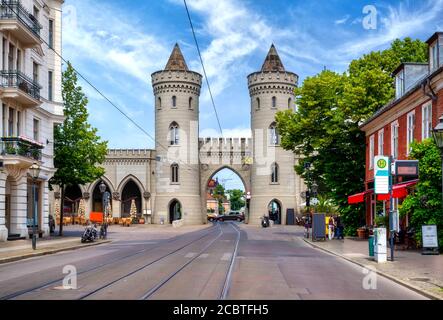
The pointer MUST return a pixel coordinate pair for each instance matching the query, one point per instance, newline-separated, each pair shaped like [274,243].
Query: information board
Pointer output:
[429,236]
[382,177]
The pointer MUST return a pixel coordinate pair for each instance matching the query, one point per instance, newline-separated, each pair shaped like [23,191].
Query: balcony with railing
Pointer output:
[18,86]
[21,23]
[20,151]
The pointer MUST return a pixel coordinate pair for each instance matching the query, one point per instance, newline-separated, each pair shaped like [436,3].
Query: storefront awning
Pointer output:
[358,197]
[398,191]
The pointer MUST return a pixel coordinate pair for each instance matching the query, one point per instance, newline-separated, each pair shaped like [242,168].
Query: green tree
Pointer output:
[424,205]
[236,197]
[78,150]
[219,195]
[325,129]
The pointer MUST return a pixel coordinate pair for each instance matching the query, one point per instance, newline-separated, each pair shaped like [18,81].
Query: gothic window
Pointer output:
[274,173]
[174,101]
[174,133]
[174,173]
[273,134]
[274,102]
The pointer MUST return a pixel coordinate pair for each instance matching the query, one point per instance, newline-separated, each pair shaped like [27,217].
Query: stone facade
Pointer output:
[31,103]
[172,179]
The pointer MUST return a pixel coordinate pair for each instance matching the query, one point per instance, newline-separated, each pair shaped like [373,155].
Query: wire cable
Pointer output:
[204,70]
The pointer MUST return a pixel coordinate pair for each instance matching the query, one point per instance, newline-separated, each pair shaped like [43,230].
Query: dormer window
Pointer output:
[434,56]
[400,84]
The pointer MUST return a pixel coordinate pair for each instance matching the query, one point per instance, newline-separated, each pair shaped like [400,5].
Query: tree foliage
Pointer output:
[325,128]
[78,150]
[236,197]
[424,205]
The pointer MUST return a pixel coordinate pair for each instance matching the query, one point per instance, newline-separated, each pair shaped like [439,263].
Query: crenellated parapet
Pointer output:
[176,81]
[272,82]
[225,150]
[129,156]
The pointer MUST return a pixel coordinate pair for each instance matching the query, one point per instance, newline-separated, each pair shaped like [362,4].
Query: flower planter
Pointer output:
[362,233]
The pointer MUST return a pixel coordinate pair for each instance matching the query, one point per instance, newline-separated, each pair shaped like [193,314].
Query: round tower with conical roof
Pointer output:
[275,187]
[177,192]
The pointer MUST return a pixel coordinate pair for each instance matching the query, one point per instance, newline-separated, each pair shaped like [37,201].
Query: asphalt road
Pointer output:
[223,261]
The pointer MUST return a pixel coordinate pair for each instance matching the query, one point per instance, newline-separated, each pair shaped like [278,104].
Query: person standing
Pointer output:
[331,227]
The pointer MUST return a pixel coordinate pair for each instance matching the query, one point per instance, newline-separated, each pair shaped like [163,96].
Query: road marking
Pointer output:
[203,256]
[190,255]
[227,256]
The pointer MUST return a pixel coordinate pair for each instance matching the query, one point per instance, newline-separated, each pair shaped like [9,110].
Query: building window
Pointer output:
[159,103]
[11,122]
[35,72]
[434,56]
[11,57]
[36,128]
[289,103]
[50,85]
[51,34]
[274,173]
[394,140]
[381,142]
[274,102]
[190,103]
[19,124]
[4,110]
[400,84]
[371,152]
[19,60]
[174,173]
[258,103]
[273,134]
[174,101]
[426,125]
[174,133]
[411,130]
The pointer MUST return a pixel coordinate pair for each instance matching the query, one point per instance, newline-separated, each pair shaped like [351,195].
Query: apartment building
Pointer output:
[31,104]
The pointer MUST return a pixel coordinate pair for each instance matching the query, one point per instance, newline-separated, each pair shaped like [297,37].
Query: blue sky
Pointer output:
[118,44]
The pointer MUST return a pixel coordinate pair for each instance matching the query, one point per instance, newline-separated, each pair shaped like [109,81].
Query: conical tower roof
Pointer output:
[176,61]
[272,61]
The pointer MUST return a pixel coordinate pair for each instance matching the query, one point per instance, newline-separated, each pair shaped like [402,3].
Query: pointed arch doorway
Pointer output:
[274,211]
[175,211]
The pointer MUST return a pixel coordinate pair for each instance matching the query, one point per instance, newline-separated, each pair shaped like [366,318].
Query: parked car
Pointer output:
[212,217]
[232,215]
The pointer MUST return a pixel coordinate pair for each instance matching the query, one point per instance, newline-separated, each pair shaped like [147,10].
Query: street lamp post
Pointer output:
[35,173]
[105,199]
[437,134]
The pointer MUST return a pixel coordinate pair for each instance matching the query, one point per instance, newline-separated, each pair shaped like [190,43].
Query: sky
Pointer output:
[118,44]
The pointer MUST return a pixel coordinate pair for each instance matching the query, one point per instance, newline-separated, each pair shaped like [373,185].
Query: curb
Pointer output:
[383,274]
[43,253]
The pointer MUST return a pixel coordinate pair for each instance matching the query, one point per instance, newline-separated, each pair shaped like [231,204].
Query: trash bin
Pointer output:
[371,246]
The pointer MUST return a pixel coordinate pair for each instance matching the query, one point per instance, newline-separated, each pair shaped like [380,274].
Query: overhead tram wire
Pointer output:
[97,90]
[203,66]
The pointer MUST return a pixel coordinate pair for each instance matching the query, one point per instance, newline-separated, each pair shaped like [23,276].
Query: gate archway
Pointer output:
[130,192]
[175,210]
[274,211]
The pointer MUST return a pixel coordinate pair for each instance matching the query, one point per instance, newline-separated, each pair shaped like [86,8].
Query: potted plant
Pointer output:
[363,232]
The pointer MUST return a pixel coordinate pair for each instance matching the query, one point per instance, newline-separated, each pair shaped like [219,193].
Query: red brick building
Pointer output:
[411,116]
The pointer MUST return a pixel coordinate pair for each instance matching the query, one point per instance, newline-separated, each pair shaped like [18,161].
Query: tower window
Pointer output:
[289,103]
[258,103]
[174,173]
[174,101]
[274,173]
[159,103]
[174,133]
[190,103]
[273,134]
[274,102]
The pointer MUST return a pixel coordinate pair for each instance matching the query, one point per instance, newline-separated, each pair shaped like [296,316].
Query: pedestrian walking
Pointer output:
[340,228]
[331,227]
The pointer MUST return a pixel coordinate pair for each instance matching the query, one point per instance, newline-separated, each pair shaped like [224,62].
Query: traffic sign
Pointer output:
[382,175]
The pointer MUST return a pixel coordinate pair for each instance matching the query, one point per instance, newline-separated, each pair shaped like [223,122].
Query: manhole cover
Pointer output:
[420,279]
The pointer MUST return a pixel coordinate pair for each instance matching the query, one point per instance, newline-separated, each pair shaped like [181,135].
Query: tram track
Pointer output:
[107,264]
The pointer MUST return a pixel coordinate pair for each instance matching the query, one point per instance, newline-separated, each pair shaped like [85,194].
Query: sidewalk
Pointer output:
[22,249]
[422,273]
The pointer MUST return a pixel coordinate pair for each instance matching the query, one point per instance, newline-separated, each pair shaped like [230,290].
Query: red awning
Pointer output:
[358,197]
[398,191]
